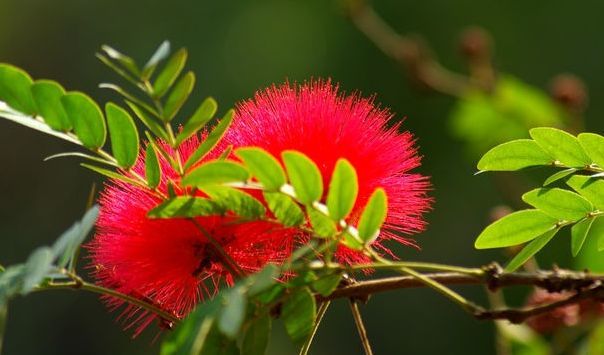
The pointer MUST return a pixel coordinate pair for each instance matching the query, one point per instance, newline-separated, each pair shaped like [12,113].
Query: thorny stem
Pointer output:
[320,313]
[227,261]
[358,320]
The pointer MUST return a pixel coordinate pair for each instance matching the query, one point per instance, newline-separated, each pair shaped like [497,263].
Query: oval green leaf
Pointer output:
[373,215]
[216,172]
[579,233]
[298,314]
[343,190]
[47,96]
[514,155]
[87,119]
[263,167]
[322,225]
[15,90]
[558,176]
[516,228]
[178,96]
[590,188]
[561,145]
[236,201]
[211,140]
[530,249]
[200,118]
[186,207]
[559,203]
[167,77]
[148,121]
[284,208]
[124,135]
[152,167]
[304,176]
[594,147]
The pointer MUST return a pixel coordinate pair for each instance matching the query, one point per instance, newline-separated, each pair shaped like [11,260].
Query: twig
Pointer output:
[320,313]
[358,320]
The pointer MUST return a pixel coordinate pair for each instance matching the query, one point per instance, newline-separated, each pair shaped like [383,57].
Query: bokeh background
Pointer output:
[237,47]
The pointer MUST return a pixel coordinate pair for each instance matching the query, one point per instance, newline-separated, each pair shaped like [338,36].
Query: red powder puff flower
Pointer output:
[317,121]
[168,262]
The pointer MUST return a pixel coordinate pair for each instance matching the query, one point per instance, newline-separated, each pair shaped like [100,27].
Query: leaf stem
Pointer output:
[320,313]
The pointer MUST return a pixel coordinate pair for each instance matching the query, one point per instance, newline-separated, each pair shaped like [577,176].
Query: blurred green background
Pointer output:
[237,47]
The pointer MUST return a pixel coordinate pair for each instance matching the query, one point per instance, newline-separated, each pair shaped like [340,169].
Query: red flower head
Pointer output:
[315,120]
[168,262]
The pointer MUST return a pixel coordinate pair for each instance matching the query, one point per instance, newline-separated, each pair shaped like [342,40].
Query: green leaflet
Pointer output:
[256,336]
[590,188]
[236,201]
[47,96]
[124,135]
[563,146]
[514,155]
[579,233]
[15,90]
[594,147]
[530,249]
[343,190]
[559,203]
[211,140]
[304,176]
[298,313]
[263,167]
[284,208]
[152,167]
[200,118]
[516,228]
[216,172]
[167,77]
[87,119]
[373,216]
[179,95]
[186,206]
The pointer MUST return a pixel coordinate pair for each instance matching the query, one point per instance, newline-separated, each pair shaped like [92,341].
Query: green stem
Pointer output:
[320,313]
[358,320]
[408,264]
[3,317]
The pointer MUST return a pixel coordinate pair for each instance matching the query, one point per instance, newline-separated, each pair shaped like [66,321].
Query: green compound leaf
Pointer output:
[304,176]
[232,314]
[559,176]
[161,53]
[559,203]
[327,284]
[322,225]
[152,167]
[15,90]
[47,96]
[298,314]
[124,60]
[343,190]
[66,247]
[148,121]
[590,188]
[185,207]
[263,167]
[87,119]
[236,201]
[530,249]
[38,265]
[516,228]
[579,233]
[563,146]
[284,208]
[178,96]
[594,147]
[200,118]
[216,172]
[211,140]
[514,155]
[373,216]
[256,336]
[124,135]
[170,73]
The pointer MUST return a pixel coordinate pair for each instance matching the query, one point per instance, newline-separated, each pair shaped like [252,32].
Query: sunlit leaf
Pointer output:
[87,119]
[516,228]
[304,176]
[322,225]
[284,208]
[123,59]
[579,233]
[216,172]
[178,96]
[186,206]
[263,167]
[514,155]
[236,201]
[200,118]
[47,96]
[32,123]
[15,90]
[594,147]
[160,54]
[170,73]
[152,167]
[149,121]
[559,203]
[373,215]
[343,190]
[124,135]
[558,176]
[563,146]
[211,140]
[591,189]
[531,249]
